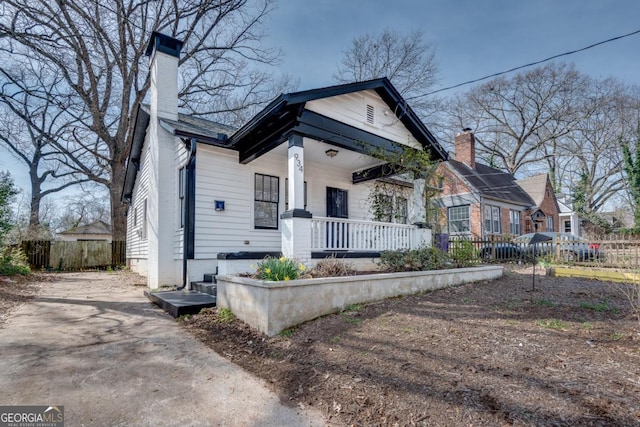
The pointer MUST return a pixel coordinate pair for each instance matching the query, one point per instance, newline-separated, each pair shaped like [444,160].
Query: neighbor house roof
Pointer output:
[492,183]
[535,186]
[98,227]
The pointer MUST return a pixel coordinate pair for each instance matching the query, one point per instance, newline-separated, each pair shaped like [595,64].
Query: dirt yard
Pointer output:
[15,291]
[490,353]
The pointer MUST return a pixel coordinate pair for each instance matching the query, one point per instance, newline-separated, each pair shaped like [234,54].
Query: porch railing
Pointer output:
[348,234]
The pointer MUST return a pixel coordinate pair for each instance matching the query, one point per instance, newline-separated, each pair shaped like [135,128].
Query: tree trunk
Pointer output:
[36,198]
[118,209]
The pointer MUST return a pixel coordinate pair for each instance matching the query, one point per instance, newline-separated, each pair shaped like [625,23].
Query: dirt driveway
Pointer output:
[93,343]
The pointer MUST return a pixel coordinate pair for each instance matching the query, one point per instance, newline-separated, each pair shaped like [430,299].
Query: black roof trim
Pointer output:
[133,162]
[293,104]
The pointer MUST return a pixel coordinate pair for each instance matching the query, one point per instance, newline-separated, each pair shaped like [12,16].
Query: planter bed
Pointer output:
[272,307]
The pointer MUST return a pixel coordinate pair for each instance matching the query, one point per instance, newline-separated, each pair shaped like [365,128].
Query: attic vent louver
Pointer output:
[370,114]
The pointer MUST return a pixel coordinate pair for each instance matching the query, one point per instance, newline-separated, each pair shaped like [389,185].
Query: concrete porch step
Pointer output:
[205,287]
[179,303]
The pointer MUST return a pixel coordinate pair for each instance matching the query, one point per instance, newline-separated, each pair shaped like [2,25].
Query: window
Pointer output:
[491,219]
[266,198]
[550,223]
[514,223]
[135,216]
[459,219]
[400,212]
[144,219]
[567,226]
[181,183]
[388,208]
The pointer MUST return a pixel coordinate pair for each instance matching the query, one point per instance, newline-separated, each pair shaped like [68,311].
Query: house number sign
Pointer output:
[298,162]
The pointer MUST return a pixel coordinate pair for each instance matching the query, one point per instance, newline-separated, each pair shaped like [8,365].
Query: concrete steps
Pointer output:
[178,303]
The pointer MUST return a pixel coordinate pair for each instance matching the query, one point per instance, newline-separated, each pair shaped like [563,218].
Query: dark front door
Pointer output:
[337,207]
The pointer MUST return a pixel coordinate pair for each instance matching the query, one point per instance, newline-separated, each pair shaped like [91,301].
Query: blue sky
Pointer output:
[473,38]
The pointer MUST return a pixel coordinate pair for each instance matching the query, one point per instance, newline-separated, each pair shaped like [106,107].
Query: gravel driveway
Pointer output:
[93,343]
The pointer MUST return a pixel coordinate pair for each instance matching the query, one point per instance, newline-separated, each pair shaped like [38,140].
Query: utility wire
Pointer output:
[529,65]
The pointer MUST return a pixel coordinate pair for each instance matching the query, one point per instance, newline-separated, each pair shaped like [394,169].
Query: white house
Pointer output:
[296,180]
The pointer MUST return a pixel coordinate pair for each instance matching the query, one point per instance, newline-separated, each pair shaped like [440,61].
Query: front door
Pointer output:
[337,233]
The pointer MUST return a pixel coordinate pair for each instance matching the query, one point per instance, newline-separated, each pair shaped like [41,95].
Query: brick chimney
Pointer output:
[466,148]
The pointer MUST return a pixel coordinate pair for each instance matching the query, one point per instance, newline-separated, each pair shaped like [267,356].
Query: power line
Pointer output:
[530,64]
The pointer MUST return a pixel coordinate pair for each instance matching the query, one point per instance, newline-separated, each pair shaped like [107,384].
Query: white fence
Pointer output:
[347,234]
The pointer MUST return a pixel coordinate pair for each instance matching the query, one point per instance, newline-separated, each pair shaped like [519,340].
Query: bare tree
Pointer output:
[98,46]
[519,121]
[30,123]
[406,60]
[592,151]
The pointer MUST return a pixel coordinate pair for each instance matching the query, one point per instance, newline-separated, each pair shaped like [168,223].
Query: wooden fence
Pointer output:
[606,251]
[44,254]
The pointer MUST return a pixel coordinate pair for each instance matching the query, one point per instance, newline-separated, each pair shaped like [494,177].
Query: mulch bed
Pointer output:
[488,353]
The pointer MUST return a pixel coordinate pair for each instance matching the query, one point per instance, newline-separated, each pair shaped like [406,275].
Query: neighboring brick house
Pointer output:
[541,191]
[480,201]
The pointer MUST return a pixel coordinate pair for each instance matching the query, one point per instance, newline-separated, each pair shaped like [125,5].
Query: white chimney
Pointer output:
[164,53]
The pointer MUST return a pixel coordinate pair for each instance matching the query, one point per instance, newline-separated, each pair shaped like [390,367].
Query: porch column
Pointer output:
[296,222]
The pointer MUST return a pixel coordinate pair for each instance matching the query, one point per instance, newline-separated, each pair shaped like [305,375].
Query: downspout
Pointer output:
[189,177]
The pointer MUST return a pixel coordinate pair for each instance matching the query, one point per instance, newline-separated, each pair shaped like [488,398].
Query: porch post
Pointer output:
[296,222]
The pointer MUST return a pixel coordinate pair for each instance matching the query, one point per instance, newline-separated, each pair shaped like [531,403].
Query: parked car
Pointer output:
[505,251]
[571,248]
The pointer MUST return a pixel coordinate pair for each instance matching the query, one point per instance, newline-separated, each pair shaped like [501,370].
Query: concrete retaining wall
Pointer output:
[272,307]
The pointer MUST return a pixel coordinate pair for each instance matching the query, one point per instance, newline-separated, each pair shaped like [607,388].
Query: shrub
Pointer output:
[332,267]
[463,253]
[421,259]
[278,269]
[13,261]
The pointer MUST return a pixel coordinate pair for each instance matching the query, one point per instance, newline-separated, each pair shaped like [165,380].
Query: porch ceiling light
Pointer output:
[331,152]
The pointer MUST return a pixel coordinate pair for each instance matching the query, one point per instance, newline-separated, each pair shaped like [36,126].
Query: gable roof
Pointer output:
[492,183]
[98,227]
[535,186]
[267,129]
[271,126]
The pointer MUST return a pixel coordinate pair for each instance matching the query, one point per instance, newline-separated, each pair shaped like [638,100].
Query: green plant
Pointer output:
[552,324]
[420,259]
[587,326]
[600,307]
[277,269]
[225,315]
[617,336]
[332,267]
[287,333]
[352,320]
[462,253]
[545,303]
[353,308]
[13,261]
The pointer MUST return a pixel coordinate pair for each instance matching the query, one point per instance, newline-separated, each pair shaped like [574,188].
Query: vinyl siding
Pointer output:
[352,110]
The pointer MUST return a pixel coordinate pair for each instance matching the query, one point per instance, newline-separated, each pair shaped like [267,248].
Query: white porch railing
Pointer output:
[348,234]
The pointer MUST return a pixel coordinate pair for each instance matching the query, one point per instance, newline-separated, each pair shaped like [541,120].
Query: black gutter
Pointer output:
[189,217]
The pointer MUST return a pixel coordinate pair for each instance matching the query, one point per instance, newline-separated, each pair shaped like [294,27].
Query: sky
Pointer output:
[473,38]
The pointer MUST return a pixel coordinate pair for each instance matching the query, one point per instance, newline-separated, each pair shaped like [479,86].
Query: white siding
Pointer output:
[352,110]
[137,243]
[219,176]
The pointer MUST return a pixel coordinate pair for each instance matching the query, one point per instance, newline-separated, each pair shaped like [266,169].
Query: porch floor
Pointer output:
[178,303]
